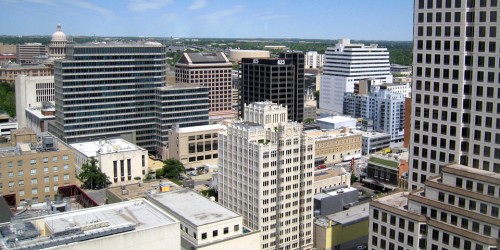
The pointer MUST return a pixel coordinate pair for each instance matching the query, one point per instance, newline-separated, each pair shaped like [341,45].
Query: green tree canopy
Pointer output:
[7,99]
[172,169]
[92,176]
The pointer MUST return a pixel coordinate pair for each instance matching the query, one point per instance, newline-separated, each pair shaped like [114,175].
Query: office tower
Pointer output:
[266,175]
[455,103]
[31,92]
[384,106]
[212,70]
[299,87]
[57,46]
[457,210]
[274,80]
[117,90]
[26,52]
[313,60]
[347,64]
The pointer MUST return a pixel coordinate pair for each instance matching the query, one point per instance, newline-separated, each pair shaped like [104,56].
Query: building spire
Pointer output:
[58,26]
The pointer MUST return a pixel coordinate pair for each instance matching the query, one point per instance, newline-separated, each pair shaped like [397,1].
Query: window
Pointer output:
[20,173]
[45,160]
[34,191]
[21,192]
[203,235]
[236,228]
[56,178]
[215,233]
[66,177]
[33,171]
[32,162]
[65,158]
[54,159]
[55,168]
[45,169]
[226,230]
[34,181]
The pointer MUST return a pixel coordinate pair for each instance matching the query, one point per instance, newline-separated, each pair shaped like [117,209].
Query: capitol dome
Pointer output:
[59,36]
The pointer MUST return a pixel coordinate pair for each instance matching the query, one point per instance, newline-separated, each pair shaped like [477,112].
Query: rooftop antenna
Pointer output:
[95,40]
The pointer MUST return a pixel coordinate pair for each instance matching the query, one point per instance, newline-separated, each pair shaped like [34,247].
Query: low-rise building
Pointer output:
[331,178]
[374,141]
[129,225]
[38,118]
[7,125]
[334,200]
[123,162]
[194,146]
[204,224]
[343,230]
[387,171]
[397,69]
[33,167]
[9,72]
[336,122]
[333,146]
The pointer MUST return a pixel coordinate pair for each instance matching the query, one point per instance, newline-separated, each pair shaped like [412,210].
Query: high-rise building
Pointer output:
[455,105]
[457,210]
[212,70]
[275,80]
[118,90]
[26,52]
[313,60]
[347,64]
[266,167]
[384,106]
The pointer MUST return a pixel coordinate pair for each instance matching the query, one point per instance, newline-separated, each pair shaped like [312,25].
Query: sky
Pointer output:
[305,19]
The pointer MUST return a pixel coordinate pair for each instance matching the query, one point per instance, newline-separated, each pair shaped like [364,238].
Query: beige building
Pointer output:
[32,168]
[194,146]
[212,70]
[236,55]
[334,146]
[8,72]
[26,52]
[329,178]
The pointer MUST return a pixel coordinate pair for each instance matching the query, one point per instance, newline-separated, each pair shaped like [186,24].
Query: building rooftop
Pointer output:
[391,160]
[397,200]
[74,226]
[319,135]
[200,128]
[372,134]
[202,58]
[336,119]
[108,146]
[192,207]
[472,173]
[329,173]
[170,86]
[352,215]
[38,113]
[338,191]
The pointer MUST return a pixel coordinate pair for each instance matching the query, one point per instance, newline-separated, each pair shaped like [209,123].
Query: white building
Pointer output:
[403,70]
[374,141]
[345,65]
[457,210]
[313,60]
[129,225]
[384,105]
[31,92]
[38,118]
[57,46]
[122,161]
[206,225]
[455,104]
[266,169]
[336,122]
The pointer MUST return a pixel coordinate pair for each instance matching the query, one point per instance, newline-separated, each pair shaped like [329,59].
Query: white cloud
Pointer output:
[198,4]
[215,16]
[90,6]
[144,5]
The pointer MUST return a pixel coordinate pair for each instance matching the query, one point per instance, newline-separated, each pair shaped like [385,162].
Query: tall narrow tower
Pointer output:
[455,106]
[266,174]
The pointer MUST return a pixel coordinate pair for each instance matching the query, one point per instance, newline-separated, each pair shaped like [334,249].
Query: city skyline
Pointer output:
[210,19]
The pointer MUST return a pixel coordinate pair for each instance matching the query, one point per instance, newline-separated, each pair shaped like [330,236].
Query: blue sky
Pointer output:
[307,19]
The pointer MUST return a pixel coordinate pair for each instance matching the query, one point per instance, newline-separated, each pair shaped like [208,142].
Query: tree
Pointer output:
[92,176]
[173,168]
[353,178]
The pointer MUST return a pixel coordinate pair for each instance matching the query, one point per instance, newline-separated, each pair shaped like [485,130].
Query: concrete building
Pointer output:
[134,104]
[266,169]
[334,199]
[343,230]
[384,105]
[9,71]
[313,60]
[387,171]
[397,69]
[31,92]
[347,64]
[309,106]
[26,52]
[407,123]
[205,224]
[135,224]
[57,46]
[336,122]
[457,210]
[212,70]
[330,178]
[275,80]
[194,146]
[454,105]
[122,161]
[333,146]
[235,55]
[38,118]
[373,142]
[32,168]
[7,125]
